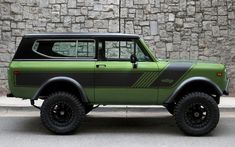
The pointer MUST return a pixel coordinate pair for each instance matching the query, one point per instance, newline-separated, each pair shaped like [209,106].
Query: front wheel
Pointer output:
[62,113]
[197,114]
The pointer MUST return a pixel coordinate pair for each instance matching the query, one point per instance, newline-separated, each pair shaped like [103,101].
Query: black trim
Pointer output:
[25,51]
[10,95]
[33,104]
[171,74]
[72,35]
[226,92]
[188,81]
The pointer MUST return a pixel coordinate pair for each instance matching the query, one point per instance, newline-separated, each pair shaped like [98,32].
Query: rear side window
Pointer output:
[65,48]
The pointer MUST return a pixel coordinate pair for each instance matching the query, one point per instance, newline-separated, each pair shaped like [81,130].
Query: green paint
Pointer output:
[132,96]
[140,92]
[50,67]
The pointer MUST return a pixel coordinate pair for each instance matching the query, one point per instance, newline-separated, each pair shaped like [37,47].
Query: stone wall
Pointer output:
[177,29]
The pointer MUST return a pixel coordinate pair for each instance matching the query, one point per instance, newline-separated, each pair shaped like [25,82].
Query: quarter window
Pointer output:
[65,48]
[140,55]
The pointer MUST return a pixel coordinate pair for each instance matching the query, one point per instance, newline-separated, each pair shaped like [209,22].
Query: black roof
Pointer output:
[80,35]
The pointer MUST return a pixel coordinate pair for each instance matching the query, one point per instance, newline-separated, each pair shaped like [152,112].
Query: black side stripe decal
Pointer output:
[171,74]
[168,77]
[37,79]
[85,79]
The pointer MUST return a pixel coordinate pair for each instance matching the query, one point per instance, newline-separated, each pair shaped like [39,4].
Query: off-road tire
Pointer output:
[197,114]
[56,121]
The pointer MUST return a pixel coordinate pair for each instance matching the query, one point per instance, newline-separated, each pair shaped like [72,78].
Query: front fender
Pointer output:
[191,80]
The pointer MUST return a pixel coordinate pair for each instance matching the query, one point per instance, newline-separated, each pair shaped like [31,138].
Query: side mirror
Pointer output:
[133,59]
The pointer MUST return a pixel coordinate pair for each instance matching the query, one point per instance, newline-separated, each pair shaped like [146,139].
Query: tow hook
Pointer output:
[33,104]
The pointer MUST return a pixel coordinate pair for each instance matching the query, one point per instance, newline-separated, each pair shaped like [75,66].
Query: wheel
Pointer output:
[62,113]
[88,108]
[197,114]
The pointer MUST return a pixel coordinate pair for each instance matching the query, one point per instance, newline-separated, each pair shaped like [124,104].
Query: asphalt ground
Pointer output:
[20,126]
[123,127]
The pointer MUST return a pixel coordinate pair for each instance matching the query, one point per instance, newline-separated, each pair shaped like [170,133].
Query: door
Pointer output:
[117,80]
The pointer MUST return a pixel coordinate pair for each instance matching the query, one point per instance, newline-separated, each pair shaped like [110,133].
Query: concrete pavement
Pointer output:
[19,104]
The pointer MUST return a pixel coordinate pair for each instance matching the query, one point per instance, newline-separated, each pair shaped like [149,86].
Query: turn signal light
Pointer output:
[219,74]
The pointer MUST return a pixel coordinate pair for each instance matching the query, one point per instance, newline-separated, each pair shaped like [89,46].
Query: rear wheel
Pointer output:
[197,114]
[62,113]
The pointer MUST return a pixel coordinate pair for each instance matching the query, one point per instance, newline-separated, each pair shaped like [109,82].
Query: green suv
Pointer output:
[72,72]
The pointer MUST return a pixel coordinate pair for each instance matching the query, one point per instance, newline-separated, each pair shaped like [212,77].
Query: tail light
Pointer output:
[16,72]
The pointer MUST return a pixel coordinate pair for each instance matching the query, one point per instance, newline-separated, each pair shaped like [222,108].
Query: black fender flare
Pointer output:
[190,80]
[59,79]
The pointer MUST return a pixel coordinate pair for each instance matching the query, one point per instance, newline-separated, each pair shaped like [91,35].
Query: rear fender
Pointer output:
[62,79]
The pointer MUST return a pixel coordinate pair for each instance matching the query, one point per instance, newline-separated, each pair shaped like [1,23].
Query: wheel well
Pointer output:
[198,86]
[65,86]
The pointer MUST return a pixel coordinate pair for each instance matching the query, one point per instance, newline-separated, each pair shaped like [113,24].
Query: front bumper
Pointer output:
[226,91]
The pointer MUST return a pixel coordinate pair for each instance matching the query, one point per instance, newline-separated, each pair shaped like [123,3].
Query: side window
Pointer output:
[119,50]
[65,48]
[122,50]
[85,49]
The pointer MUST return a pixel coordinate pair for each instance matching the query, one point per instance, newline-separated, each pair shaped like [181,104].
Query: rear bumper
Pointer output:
[226,91]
